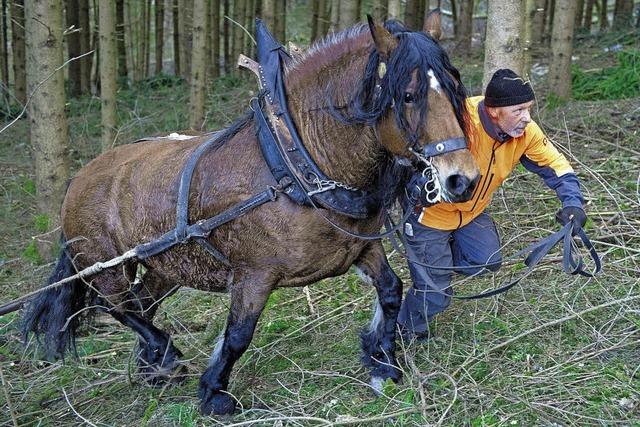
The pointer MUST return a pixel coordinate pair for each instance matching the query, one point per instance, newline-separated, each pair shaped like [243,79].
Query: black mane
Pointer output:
[416,51]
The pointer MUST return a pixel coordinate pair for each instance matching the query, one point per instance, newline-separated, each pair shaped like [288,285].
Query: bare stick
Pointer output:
[469,362]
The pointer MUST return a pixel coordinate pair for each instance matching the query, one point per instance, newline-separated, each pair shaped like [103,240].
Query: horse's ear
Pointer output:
[432,24]
[383,39]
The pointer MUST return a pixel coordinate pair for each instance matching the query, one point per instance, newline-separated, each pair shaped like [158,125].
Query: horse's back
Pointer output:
[123,195]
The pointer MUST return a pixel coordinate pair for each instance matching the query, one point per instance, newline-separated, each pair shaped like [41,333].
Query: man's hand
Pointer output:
[572,214]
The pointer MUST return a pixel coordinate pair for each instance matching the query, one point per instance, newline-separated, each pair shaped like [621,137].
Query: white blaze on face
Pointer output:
[433,81]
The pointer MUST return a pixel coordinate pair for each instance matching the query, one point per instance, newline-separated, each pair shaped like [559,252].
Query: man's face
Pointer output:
[512,119]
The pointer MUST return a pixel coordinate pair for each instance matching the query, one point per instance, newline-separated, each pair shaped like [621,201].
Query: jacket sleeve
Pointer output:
[544,159]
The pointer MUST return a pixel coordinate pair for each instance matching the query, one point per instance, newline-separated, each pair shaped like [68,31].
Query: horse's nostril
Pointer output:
[458,184]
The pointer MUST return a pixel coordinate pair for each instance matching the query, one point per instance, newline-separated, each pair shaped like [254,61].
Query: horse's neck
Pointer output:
[347,153]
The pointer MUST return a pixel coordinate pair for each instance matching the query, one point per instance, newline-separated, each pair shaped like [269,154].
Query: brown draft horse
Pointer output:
[352,129]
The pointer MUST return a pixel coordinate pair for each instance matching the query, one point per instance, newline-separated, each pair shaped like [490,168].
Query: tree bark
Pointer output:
[176,38]
[562,48]
[85,46]
[147,39]
[348,14]
[604,20]
[623,14]
[588,15]
[186,35]
[48,129]
[281,22]
[527,36]
[198,65]
[503,47]
[379,10]
[412,17]
[215,39]
[269,14]
[393,9]
[334,19]
[4,46]
[465,25]
[73,46]
[325,17]
[18,45]
[238,33]
[108,72]
[538,22]
[226,37]
[159,34]
[579,14]
[315,19]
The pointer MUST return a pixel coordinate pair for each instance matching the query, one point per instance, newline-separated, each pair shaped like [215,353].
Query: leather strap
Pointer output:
[442,147]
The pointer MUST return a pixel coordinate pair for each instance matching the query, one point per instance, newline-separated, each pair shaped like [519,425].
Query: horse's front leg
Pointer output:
[248,298]
[378,341]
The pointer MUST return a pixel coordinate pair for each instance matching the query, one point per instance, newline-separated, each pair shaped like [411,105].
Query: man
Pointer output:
[501,134]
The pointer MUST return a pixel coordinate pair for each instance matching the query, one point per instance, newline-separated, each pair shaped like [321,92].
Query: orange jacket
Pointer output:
[496,160]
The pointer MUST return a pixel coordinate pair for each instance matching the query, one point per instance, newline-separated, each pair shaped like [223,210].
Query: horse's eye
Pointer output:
[408,97]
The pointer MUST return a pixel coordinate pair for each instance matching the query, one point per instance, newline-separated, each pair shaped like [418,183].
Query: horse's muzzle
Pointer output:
[460,188]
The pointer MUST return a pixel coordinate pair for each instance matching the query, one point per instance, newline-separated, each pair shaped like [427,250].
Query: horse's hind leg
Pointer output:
[247,301]
[157,357]
[378,341]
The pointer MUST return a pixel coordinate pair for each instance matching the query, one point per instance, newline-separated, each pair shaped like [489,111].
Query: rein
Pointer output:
[534,254]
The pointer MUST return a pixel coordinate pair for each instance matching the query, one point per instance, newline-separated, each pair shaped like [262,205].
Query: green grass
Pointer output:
[618,82]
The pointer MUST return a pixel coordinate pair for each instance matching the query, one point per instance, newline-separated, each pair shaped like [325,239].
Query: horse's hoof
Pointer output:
[219,404]
[160,368]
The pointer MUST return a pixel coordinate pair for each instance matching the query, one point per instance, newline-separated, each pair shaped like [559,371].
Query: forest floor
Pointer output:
[555,350]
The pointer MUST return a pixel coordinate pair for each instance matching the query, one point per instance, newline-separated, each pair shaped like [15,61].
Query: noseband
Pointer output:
[428,188]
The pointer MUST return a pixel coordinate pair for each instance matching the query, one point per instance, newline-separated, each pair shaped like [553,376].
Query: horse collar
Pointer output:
[282,147]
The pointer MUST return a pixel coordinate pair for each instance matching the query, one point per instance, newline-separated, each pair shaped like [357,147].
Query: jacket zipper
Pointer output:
[491,161]
[487,189]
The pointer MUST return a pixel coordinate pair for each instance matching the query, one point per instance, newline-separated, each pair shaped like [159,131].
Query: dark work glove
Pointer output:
[414,193]
[572,213]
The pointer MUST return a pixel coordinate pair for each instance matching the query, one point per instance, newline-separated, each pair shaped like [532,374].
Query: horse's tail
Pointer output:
[53,315]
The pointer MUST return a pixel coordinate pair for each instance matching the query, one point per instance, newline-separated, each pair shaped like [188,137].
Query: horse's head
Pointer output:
[413,95]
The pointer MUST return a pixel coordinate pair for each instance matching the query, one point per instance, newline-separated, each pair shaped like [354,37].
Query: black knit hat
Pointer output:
[507,88]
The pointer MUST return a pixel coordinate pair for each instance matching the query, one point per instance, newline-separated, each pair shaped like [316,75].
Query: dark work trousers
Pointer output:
[475,243]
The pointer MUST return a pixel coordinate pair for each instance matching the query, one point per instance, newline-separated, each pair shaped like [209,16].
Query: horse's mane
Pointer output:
[415,51]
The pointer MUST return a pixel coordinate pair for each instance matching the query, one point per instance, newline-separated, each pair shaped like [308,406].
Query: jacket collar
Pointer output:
[489,127]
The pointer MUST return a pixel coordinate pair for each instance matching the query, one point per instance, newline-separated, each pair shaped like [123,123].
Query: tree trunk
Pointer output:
[281,22]
[73,46]
[226,36]
[198,65]
[378,10]
[315,19]
[537,24]
[588,15]
[465,25]
[527,36]
[159,35]
[325,17]
[176,38]
[4,47]
[95,46]
[18,45]
[393,9]
[147,39]
[579,13]
[604,19]
[551,6]
[108,72]
[412,17]
[334,19]
[562,48]
[623,14]
[269,14]
[454,16]
[215,39]
[121,42]
[348,14]
[503,48]
[238,33]
[85,46]
[186,36]
[48,125]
